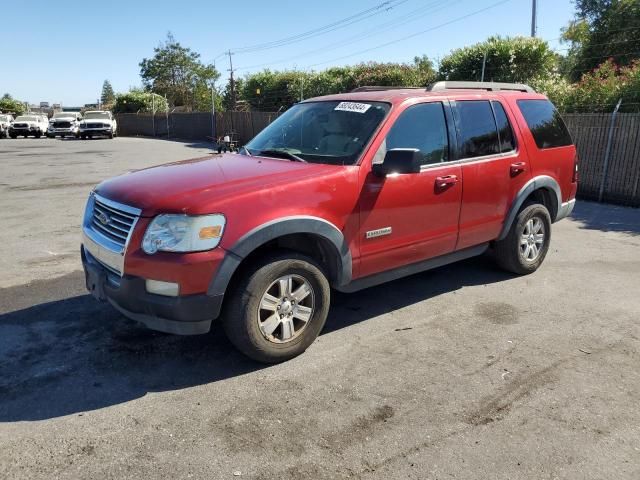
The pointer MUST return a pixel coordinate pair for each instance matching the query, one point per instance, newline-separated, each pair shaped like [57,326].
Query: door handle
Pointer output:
[446,181]
[517,168]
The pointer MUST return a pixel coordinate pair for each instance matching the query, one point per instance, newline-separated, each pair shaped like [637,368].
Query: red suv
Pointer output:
[345,192]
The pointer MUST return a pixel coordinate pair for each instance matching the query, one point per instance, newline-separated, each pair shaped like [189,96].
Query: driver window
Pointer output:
[421,126]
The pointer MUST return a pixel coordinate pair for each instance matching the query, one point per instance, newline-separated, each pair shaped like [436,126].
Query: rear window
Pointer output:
[477,128]
[545,123]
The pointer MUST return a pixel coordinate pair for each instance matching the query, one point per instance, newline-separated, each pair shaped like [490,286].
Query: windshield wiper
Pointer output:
[277,153]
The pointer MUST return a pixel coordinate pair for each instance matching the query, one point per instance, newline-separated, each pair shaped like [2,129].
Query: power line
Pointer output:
[404,19]
[463,17]
[358,17]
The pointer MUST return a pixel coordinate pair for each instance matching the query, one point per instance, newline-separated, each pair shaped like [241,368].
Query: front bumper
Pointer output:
[23,131]
[62,131]
[182,315]
[96,131]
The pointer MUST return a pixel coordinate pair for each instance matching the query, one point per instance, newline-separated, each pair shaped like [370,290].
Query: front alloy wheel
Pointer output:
[278,307]
[286,308]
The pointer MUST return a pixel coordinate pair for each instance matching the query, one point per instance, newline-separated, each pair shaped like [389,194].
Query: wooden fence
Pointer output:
[590,133]
[622,178]
[194,126]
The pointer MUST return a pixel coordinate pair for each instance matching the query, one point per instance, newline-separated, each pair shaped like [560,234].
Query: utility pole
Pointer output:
[534,18]
[484,64]
[153,112]
[232,82]
[213,114]
[301,88]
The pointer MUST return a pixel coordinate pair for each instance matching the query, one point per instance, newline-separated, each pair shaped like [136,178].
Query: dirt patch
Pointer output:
[498,313]
[496,407]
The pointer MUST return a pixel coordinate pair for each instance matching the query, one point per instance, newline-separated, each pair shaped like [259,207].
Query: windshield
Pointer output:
[4,118]
[331,132]
[26,118]
[64,115]
[94,115]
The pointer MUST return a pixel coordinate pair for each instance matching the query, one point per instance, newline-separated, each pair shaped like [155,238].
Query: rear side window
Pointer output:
[424,127]
[507,142]
[477,129]
[545,123]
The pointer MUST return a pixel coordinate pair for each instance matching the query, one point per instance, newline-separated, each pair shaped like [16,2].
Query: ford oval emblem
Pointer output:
[104,218]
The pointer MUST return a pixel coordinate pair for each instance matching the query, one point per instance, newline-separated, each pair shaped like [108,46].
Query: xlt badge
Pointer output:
[379,232]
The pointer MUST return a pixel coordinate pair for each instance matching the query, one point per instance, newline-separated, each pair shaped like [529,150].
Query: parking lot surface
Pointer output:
[462,372]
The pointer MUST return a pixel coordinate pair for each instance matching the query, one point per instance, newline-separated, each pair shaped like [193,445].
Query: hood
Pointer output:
[30,123]
[192,186]
[63,119]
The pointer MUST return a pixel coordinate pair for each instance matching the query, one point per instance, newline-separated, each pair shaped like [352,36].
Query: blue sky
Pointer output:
[67,51]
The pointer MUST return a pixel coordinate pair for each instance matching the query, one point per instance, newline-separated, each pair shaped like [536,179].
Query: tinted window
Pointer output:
[423,127]
[478,133]
[507,143]
[545,123]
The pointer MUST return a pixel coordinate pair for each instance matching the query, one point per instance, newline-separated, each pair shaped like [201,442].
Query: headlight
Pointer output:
[183,233]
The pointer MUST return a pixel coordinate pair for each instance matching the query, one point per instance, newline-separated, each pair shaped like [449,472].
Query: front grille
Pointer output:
[62,124]
[20,125]
[111,222]
[95,125]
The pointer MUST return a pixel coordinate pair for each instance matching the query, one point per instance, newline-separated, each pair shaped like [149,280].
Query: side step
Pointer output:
[388,276]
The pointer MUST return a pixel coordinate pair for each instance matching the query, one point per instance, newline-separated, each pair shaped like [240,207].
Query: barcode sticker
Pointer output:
[353,107]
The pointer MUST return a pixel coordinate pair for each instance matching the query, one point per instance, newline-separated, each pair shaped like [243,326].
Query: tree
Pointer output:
[108,96]
[517,59]
[139,101]
[273,90]
[602,30]
[10,105]
[178,73]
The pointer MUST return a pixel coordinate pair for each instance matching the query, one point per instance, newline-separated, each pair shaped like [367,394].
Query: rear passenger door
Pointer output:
[494,168]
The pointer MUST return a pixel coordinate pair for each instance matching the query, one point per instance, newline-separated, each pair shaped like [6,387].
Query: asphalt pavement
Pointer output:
[463,372]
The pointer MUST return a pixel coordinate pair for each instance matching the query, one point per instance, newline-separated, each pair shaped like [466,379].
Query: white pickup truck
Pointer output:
[32,124]
[5,122]
[98,123]
[64,124]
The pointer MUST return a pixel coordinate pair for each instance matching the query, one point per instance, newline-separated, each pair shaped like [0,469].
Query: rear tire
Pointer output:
[278,308]
[526,245]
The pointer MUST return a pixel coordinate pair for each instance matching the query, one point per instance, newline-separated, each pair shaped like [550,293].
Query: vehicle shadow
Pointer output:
[607,218]
[63,353]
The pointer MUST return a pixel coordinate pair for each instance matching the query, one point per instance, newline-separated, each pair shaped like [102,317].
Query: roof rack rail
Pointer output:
[491,86]
[374,88]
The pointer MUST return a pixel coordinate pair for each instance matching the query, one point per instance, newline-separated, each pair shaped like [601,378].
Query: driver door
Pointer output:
[407,218]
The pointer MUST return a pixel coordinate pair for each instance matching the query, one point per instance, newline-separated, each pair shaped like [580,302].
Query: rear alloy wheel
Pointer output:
[278,308]
[526,245]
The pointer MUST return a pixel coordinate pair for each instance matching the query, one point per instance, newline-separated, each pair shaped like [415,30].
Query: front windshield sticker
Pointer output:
[353,107]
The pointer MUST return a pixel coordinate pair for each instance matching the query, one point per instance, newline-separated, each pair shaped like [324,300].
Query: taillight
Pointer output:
[574,179]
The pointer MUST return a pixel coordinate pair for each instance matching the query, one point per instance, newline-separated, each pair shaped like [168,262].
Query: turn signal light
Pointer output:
[210,232]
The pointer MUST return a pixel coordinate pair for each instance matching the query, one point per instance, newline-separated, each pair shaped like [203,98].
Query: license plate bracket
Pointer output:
[95,283]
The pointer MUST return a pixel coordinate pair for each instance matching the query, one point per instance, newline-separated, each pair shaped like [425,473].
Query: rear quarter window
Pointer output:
[546,125]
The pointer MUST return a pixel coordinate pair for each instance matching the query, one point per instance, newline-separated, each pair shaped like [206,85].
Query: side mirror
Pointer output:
[399,160]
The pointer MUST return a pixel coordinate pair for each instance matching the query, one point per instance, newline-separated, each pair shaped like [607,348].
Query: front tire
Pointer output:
[526,245]
[278,308]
